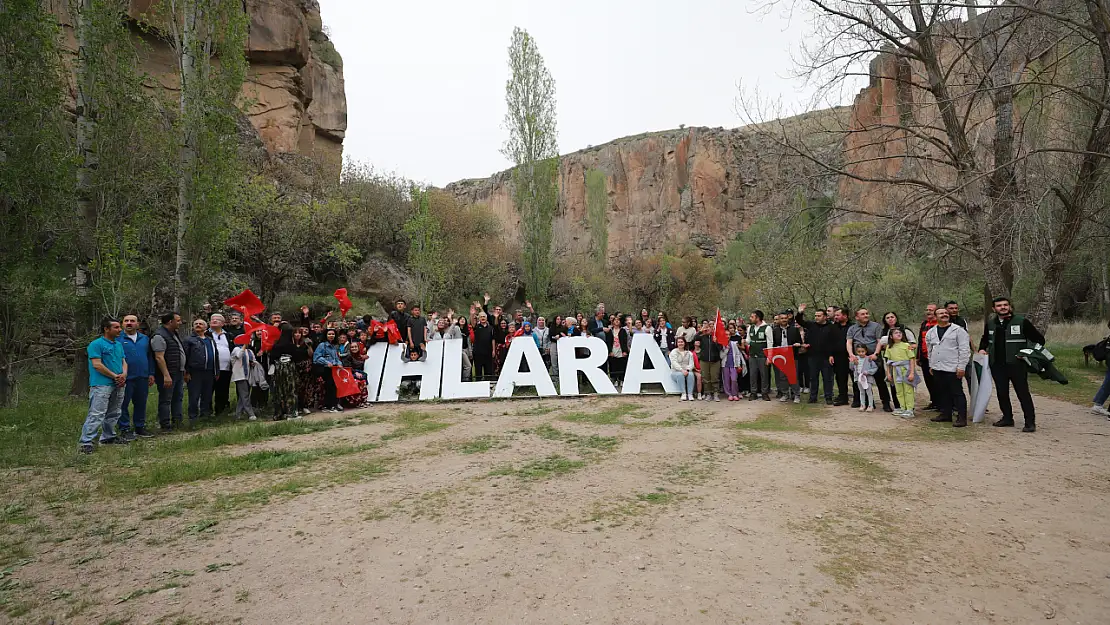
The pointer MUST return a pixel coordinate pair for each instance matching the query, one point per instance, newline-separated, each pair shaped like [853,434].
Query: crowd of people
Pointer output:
[289,370]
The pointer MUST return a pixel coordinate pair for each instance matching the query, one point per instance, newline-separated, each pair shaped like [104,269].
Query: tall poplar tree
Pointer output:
[533,148]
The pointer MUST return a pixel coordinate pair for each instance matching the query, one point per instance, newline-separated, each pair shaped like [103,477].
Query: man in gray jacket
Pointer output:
[447,330]
[949,352]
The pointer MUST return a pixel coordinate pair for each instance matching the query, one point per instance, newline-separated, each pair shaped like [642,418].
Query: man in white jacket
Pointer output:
[949,352]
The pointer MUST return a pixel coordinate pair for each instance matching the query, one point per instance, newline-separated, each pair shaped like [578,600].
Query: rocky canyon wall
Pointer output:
[293,94]
[687,187]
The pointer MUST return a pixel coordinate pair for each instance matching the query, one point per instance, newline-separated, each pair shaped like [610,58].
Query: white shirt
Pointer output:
[223,348]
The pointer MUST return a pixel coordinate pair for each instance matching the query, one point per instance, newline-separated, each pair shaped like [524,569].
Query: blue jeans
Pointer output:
[104,405]
[201,384]
[169,400]
[135,393]
[1103,391]
[688,383]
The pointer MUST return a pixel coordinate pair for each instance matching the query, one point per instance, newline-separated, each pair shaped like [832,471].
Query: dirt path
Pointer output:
[613,511]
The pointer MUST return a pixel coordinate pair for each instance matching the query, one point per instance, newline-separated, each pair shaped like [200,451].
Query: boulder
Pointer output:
[278,32]
[382,280]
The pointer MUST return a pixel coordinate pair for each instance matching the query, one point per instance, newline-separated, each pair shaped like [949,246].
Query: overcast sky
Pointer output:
[426,78]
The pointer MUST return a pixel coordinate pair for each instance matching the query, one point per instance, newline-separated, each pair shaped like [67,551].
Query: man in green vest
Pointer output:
[759,373]
[1003,336]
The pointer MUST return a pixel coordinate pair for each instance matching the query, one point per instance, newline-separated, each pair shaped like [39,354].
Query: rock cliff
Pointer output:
[690,186]
[293,94]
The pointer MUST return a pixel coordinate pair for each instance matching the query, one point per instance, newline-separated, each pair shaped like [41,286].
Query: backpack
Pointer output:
[1101,349]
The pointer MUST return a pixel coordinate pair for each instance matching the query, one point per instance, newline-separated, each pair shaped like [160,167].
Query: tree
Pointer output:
[953,156]
[533,148]
[199,31]
[36,185]
[425,257]
[597,214]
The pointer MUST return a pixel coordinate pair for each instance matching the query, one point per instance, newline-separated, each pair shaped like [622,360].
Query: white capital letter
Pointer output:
[590,365]
[375,364]
[428,371]
[524,347]
[453,385]
[636,375]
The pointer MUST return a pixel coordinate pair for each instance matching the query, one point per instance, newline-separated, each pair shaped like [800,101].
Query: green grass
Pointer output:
[414,423]
[541,469]
[613,415]
[788,418]
[135,594]
[1083,380]
[856,464]
[181,469]
[617,511]
[591,442]
[537,410]
[479,445]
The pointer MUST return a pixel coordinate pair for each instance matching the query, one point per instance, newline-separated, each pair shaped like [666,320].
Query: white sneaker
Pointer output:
[797,400]
[784,399]
[684,397]
[716,397]
[252,418]
[907,414]
[1099,410]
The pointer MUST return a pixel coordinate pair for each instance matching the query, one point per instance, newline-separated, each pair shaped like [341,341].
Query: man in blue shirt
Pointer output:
[140,377]
[107,378]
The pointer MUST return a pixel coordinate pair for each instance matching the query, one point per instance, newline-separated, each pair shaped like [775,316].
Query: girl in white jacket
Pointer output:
[242,360]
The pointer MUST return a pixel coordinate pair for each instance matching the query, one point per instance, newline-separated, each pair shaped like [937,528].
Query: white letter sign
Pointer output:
[636,376]
[590,366]
[453,385]
[429,371]
[524,347]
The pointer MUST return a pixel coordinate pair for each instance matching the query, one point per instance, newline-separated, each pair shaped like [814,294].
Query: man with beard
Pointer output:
[759,374]
[786,335]
[820,339]
[1003,336]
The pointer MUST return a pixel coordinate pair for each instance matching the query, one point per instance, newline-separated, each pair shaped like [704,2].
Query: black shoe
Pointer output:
[887,408]
[766,398]
[855,404]
[838,402]
[86,449]
[1029,428]
[1004,423]
[829,402]
[129,437]
[930,406]
[115,441]
[142,433]
[941,419]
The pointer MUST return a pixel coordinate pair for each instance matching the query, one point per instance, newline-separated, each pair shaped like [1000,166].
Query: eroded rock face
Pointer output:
[293,97]
[689,187]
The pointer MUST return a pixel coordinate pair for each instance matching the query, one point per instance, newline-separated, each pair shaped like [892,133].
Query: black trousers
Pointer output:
[483,367]
[927,376]
[802,365]
[221,392]
[880,383]
[1017,375]
[330,401]
[819,370]
[842,371]
[950,399]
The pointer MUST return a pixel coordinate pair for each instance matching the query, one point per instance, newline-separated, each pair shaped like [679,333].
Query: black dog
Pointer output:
[1098,351]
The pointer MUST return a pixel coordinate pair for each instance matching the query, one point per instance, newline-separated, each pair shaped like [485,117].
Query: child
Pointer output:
[901,371]
[863,371]
[242,361]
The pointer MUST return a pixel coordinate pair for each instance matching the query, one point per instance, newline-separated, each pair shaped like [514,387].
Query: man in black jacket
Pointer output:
[820,340]
[923,353]
[483,348]
[841,364]
[1003,336]
[786,335]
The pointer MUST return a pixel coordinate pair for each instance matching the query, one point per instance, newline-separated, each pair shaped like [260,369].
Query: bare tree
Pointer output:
[979,129]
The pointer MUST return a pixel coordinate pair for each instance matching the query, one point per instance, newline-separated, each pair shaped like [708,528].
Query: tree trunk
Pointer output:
[7,382]
[1104,305]
[84,319]
[187,150]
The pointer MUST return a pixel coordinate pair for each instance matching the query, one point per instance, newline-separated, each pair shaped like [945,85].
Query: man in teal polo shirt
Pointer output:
[107,380]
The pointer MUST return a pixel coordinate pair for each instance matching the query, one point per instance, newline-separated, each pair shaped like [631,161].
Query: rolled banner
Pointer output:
[970,372]
[983,389]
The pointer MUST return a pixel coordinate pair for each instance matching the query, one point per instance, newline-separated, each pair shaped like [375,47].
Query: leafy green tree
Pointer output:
[36,184]
[533,148]
[597,214]
[426,245]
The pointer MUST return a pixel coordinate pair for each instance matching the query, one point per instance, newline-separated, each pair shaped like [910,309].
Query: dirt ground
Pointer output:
[609,510]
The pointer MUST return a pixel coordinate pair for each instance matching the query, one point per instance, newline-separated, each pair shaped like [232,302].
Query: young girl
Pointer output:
[697,370]
[733,364]
[863,370]
[901,371]
[242,361]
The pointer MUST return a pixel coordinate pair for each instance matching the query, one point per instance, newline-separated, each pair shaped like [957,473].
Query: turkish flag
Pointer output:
[783,358]
[720,333]
[392,333]
[246,303]
[270,335]
[345,383]
[248,329]
[344,301]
